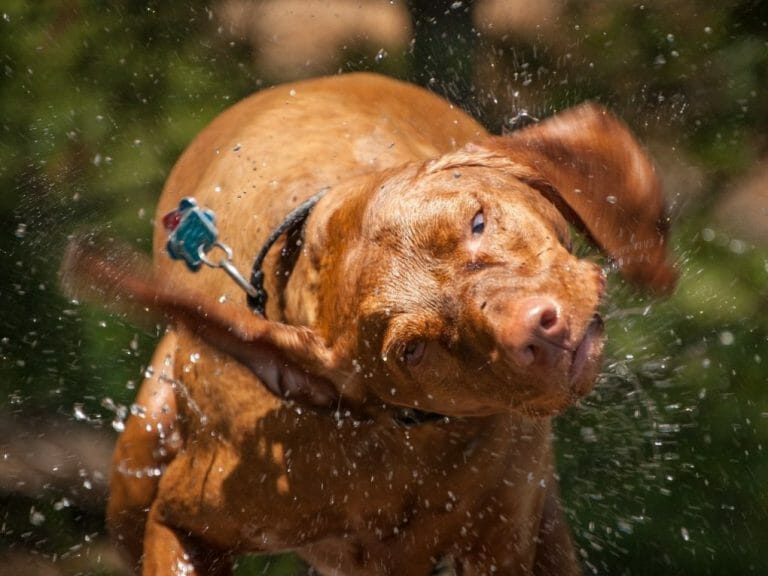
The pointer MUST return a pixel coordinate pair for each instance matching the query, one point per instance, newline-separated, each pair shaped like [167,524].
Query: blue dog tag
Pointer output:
[192,233]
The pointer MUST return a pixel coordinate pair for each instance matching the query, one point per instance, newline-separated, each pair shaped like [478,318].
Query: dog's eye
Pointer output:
[478,223]
[413,352]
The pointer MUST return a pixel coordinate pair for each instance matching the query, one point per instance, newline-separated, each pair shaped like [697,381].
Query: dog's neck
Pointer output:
[409,418]
[292,227]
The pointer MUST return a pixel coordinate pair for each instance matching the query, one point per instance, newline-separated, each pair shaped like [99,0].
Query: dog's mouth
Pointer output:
[576,376]
[585,355]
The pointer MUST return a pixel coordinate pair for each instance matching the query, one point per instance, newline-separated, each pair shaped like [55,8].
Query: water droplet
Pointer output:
[380,55]
[292,92]
[611,199]
[684,534]
[726,338]
[36,518]
[588,434]
[21,230]
[737,246]
[138,410]
[79,413]
[194,357]
[237,147]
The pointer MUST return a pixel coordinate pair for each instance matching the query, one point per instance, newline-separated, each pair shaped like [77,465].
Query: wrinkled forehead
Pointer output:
[421,207]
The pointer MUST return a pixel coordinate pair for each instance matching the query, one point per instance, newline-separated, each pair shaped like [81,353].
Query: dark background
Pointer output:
[664,467]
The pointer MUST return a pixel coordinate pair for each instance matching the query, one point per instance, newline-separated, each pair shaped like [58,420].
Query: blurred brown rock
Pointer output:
[743,209]
[54,457]
[518,18]
[300,38]
[49,459]
[98,557]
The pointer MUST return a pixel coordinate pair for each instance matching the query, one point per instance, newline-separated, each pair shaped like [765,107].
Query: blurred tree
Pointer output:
[443,48]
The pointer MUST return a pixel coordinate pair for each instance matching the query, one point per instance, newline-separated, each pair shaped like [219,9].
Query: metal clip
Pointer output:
[226,265]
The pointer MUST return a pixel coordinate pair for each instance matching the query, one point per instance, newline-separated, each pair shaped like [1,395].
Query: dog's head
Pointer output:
[451,286]
[464,295]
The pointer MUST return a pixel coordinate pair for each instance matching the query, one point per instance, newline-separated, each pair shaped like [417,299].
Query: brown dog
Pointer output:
[391,414]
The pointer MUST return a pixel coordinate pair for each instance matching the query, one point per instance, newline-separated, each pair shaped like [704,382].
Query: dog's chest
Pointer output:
[275,477]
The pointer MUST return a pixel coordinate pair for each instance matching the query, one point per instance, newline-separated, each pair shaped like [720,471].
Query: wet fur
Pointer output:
[284,433]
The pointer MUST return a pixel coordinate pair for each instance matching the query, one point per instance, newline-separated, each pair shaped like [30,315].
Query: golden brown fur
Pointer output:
[436,275]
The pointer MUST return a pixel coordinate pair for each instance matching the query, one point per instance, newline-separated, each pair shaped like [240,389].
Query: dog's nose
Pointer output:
[535,333]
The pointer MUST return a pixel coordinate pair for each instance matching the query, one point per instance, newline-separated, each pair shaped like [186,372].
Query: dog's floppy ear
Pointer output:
[591,167]
[292,361]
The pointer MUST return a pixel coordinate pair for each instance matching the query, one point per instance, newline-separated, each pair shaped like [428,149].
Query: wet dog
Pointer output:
[387,408]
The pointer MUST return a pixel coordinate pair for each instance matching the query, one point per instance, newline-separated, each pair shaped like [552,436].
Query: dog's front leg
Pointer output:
[171,551]
[147,444]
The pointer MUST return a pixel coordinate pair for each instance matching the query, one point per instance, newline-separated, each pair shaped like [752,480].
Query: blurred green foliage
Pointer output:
[663,468]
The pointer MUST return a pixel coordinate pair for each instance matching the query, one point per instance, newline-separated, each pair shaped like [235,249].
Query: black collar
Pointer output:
[410,417]
[293,228]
